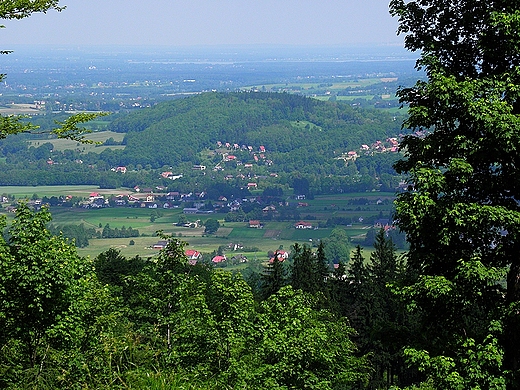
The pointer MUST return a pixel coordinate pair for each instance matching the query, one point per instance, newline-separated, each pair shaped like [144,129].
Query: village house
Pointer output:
[192,254]
[255,224]
[303,225]
[174,195]
[268,209]
[279,254]
[120,200]
[383,223]
[160,245]
[218,259]
[170,175]
[97,201]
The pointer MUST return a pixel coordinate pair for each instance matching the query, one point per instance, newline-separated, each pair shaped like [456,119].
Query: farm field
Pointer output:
[26,192]
[357,88]
[347,83]
[253,243]
[20,109]
[100,136]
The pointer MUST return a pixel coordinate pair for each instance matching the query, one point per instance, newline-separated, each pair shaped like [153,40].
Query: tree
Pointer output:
[299,346]
[38,274]
[12,124]
[383,267]
[461,212]
[211,226]
[112,267]
[337,246]
[182,220]
[303,270]
[385,320]
[274,276]
[24,9]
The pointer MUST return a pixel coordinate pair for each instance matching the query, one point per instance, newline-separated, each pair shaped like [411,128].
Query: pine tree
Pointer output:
[303,271]
[322,267]
[274,276]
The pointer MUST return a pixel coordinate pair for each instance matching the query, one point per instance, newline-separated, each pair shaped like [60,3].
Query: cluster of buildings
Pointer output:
[391,145]
[225,149]
[193,256]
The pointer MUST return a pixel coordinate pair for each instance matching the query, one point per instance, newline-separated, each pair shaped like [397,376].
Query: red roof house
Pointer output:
[303,225]
[218,259]
[192,254]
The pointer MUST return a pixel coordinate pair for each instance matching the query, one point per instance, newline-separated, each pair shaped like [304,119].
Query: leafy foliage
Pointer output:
[461,210]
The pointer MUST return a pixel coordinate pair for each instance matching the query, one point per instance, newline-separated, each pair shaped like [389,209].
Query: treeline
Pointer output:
[119,322]
[80,235]
[122,232]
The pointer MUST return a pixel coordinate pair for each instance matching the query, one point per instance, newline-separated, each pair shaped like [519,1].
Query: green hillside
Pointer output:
[297,131]
[270,139]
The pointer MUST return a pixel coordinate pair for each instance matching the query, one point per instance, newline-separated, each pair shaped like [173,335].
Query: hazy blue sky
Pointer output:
[208,22]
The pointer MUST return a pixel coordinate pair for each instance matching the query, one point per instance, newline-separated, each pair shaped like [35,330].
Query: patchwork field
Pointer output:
[101,136]
[26,192]
[254,243]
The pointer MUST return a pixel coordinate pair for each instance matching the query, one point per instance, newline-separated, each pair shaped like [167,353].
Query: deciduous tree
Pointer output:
[461,212]
[38,275]
[300,346]
[11,124]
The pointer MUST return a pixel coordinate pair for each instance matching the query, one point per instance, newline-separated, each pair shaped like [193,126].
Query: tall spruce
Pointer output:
[303,269]
[309,270]
[385,319]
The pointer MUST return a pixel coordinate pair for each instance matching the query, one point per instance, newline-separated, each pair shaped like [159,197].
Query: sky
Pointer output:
[208,22]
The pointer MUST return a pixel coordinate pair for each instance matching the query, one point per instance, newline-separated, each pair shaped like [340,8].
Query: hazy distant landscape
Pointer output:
[113,79]
[49,84]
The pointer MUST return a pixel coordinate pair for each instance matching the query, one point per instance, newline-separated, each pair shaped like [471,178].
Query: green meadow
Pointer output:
[255,242]
[100,136]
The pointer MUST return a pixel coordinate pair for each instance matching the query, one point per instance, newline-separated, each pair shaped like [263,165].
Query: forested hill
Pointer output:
[294,129]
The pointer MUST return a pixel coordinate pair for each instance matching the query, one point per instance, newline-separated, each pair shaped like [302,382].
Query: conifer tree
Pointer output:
[274,276]
[309,271]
